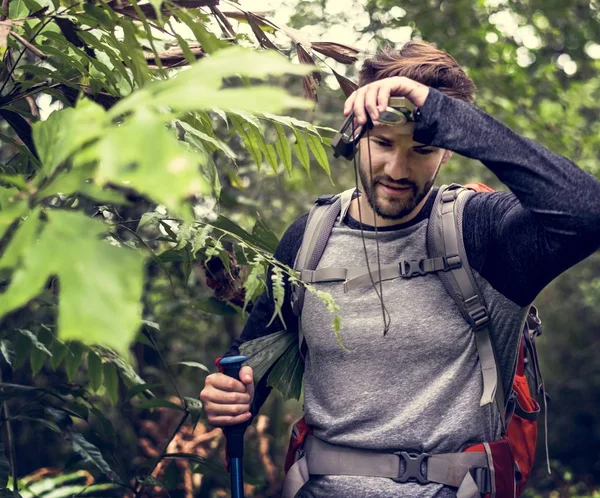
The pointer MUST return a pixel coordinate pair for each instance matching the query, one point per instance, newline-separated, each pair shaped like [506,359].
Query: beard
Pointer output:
[390,208]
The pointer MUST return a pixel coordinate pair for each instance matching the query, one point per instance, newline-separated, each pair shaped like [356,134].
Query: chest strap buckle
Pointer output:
[412,467]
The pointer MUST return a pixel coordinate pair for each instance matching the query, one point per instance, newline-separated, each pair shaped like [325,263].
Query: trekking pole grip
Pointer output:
[235,433]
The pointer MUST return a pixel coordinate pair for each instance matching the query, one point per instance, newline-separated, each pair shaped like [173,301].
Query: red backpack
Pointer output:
[511,457]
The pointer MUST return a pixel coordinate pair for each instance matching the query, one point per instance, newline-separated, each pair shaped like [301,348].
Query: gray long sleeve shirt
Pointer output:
[418,388]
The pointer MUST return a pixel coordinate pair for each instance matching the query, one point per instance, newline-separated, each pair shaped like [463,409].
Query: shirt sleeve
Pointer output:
[264,308]
[519,241]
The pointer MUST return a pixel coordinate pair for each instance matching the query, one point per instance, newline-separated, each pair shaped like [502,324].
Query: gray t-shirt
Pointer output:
[418,387]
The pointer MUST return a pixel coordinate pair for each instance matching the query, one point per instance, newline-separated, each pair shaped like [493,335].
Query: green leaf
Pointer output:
[278,294]
[34,340]
[15,180]
[268,151]
[301,151]
[21,241]
[94,370]
[142,154]
[111,382]
[100,284]
[73,359]
[139,389]
[138,64]
[66,131]
[193,364]
[8,351]
[251,138]
[194,407]
[207,40]
[282,147]
[158,403]
[316,147]
[253,282]
[40,353]
[192,135]
[124,368]
[10,213]
[77,180]
[266,236]
[288,373]
[59,352]
[264,351]
[22,347]
[90,454]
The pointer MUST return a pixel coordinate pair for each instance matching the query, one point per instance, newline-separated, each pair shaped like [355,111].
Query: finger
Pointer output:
[246,375]
[349,103]
[250,388]
[228,420]
[216,410]
[224,397]
[359,107]
[371,101]
[383,98]
[225,383]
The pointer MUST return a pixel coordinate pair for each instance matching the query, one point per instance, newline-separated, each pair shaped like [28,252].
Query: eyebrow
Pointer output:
[389,141]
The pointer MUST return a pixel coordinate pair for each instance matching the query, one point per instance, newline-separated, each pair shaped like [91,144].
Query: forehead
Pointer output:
[395,133]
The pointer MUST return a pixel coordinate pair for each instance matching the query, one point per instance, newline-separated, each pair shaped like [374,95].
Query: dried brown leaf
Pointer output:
[124,7]
[341,53]
[223,22]
[264,23]
[260,36]
[312,80]
[347,86]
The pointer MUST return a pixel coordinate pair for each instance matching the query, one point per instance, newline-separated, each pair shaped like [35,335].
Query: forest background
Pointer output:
[146,175]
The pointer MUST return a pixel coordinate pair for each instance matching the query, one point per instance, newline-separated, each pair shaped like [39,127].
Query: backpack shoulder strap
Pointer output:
[320,222]
[444,238]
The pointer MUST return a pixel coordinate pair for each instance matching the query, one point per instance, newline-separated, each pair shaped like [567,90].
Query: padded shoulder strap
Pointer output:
[444,238]
[320,222]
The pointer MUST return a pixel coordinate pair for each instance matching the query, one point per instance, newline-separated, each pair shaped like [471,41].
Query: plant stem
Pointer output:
[164,451]
[12,454]
[4,10]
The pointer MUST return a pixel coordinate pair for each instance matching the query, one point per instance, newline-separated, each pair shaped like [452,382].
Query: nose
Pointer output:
[397,166]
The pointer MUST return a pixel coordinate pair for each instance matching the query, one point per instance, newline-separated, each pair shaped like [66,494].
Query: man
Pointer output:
[418,387]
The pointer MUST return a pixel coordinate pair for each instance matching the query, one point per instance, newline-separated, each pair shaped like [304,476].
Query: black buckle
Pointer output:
[412,471]
[325,199]
[452,261]
[414,268]
[480,317]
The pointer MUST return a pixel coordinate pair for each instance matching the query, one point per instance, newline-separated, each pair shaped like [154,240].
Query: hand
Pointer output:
[374,97]
[227,400]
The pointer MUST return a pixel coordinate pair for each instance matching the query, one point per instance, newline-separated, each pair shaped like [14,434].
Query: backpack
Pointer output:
[511,458]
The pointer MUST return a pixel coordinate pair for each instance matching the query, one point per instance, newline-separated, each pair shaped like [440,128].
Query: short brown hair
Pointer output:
[422,62]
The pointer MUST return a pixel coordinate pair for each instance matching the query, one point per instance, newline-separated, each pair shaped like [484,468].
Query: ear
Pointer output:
[446,157]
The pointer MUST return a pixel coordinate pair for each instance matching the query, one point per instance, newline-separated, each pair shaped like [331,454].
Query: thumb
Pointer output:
[247,378]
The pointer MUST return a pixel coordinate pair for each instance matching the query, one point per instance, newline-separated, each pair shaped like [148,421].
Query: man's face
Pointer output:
[403,170]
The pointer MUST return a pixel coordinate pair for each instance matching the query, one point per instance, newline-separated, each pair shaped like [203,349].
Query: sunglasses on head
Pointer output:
[398,112]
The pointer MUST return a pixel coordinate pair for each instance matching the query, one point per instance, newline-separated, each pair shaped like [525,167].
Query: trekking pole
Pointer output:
[235,433]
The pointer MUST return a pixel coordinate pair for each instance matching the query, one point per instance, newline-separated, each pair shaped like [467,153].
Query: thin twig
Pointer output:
[4,10]
[164,451]
[12,69]
[32,48]
[12,454]
[171,378]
